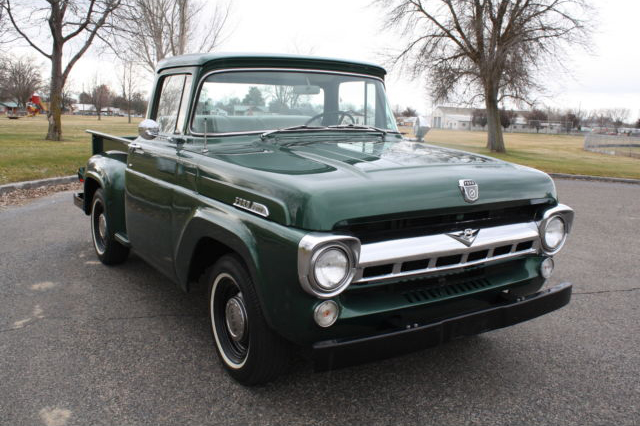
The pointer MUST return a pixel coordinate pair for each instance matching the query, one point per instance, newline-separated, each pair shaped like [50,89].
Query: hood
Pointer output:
[317,184]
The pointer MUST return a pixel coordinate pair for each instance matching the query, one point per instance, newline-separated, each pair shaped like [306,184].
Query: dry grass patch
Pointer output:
[25,155]
[551,153]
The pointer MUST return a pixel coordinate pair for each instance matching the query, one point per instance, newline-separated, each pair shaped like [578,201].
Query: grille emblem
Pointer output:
[469,189]
[466,237]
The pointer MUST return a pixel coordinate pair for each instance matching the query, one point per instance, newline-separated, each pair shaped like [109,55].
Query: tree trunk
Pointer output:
[54,133]
[495,141]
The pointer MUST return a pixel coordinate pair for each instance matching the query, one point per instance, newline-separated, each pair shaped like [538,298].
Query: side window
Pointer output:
[169,103]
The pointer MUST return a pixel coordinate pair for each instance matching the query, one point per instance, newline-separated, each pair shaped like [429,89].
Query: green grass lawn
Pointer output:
[551,153]
[25,155]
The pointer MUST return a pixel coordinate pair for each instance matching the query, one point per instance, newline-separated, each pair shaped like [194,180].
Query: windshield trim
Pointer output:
[194,101]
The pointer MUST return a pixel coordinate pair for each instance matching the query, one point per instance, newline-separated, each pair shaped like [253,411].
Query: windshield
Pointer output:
[259,101]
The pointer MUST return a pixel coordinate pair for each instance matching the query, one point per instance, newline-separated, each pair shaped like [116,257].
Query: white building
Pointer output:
[83,109]
[456,118]
[452,118]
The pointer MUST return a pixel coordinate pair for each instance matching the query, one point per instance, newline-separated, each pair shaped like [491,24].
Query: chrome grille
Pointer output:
[433,254]
[370,230]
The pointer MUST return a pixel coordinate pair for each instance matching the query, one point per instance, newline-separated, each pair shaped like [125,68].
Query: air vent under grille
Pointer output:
[451,290]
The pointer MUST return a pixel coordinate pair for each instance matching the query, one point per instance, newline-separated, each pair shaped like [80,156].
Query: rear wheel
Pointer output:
[109,251]
[249,350]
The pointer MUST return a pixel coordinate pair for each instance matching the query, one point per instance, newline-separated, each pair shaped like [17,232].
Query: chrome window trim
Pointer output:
[204,77]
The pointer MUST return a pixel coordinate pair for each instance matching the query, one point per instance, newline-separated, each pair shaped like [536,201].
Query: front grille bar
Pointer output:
[432,254]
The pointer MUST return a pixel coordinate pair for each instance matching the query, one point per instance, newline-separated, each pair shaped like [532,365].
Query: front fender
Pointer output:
[109,175]
[268,249]
[210,222]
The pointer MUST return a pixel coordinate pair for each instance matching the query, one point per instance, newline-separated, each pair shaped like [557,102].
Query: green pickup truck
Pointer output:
[282,183]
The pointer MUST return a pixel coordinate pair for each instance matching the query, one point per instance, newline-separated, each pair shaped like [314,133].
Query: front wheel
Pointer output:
[249,350]
[109,251]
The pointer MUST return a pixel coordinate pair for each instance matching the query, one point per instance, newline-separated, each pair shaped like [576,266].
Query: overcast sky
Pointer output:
[352,29]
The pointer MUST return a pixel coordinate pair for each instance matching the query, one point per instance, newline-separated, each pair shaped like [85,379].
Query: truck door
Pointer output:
[151,177]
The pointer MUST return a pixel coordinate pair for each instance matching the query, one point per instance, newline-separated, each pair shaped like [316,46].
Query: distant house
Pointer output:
[113,111]
[462,119]
[452,118]
[83,109]
[406,121]
[8,108]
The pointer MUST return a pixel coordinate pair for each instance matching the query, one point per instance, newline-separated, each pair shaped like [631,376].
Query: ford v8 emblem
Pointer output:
[469,189]
[466,237]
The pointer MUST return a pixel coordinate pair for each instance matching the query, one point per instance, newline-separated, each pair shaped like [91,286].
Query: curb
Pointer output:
[30,184]
[595,178]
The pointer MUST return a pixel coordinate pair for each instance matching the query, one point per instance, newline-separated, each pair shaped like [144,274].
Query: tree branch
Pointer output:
[7,7]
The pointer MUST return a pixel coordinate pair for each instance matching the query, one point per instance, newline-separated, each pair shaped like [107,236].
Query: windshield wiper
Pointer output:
[358,127]
[265,135]
[338,127]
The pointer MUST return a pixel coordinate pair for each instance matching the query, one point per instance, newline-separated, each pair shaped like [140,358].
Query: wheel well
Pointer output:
[90,187]
[206,253]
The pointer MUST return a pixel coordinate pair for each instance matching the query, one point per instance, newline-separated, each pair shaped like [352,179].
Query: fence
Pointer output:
[613,145]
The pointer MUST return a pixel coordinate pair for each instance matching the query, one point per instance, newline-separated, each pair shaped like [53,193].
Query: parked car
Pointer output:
[341,241]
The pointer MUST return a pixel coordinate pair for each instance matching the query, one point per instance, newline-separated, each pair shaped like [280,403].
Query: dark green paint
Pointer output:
[167,197]
[215,61]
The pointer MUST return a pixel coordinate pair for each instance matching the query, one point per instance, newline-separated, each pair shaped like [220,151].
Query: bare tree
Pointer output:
[71,23]
[3,77]
[506,118]
[283,98]
[479,118]
[409,112]
[619,116]
[601,118]
[157,29]
[536,117]
[100,96]
[3,23]
[128,80]
[21,79]
[573,118]
[485,49]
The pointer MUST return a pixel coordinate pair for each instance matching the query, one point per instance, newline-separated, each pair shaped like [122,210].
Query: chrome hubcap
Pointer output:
[102,226]
[236,317]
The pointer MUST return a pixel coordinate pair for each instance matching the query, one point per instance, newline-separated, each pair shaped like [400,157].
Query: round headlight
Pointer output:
[554,233]
[330,268]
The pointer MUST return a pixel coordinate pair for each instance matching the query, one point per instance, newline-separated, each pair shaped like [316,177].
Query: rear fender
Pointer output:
[109,175]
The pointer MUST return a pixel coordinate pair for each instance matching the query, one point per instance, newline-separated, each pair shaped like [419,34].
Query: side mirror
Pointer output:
[148,129]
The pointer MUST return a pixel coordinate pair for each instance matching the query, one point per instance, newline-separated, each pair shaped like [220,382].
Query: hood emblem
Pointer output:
[466,237]
[469,189]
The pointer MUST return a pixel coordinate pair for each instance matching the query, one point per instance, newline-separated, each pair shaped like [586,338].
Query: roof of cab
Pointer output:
[220,60]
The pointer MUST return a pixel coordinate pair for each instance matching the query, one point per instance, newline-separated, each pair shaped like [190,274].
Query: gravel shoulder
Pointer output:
[24,196]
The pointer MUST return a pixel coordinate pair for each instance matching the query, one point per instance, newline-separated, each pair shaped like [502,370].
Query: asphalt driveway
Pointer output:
[82,343]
